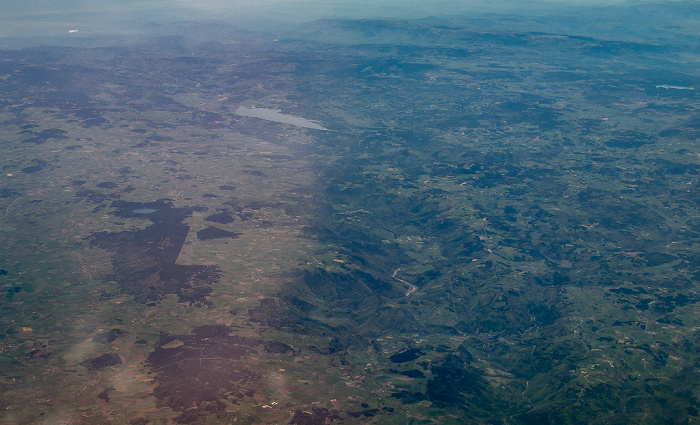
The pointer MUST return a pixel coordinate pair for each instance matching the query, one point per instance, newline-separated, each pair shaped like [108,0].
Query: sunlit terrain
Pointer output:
[490,219]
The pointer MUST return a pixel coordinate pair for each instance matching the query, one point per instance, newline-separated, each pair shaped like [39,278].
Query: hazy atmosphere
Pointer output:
[48,21]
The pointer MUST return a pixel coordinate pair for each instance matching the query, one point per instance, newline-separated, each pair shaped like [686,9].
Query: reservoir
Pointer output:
[667,86]
[276,116]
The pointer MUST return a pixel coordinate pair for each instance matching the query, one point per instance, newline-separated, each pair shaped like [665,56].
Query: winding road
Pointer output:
[411,287]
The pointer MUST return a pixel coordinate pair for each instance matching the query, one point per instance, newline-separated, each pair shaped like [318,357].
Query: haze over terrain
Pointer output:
[49,22]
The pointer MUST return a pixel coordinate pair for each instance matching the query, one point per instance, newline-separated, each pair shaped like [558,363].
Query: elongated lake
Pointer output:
[276,116]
